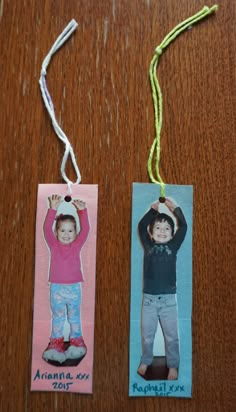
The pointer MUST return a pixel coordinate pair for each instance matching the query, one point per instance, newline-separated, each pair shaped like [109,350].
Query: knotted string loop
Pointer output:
[157,95]
[67,32]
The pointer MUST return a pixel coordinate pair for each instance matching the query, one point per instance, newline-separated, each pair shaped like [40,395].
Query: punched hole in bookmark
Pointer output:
[67,199]
[162,199]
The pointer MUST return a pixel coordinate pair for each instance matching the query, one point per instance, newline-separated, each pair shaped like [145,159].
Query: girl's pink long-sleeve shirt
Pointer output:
[65,265]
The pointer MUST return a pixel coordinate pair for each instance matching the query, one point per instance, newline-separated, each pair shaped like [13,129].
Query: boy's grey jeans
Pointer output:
[164,309]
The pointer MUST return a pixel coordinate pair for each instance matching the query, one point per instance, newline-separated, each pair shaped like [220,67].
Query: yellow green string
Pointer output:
[157,95]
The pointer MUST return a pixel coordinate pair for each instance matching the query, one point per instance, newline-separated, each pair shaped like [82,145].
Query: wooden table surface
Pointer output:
[100,87]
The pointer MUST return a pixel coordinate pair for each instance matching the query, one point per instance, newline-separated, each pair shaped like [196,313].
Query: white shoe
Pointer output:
[55,350]
[54,355]
[73,352]
[77,348]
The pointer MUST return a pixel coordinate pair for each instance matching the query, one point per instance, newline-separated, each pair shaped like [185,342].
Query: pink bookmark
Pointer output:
[64,297]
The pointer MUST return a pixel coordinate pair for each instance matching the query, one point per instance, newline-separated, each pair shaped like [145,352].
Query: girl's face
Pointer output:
[66,232]
[161,232]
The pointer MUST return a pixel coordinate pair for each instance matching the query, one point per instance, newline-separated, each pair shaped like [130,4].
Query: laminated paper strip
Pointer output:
[71,374]
[158,279]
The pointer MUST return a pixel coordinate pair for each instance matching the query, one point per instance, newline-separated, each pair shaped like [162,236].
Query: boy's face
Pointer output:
[66,232]
[161,232]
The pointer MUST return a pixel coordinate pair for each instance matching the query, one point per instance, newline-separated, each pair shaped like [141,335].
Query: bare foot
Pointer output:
[173,374]
[142,369]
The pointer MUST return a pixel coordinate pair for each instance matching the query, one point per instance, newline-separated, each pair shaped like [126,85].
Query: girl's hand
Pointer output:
[55,201]
[170,203]
[79,204]
[155,205]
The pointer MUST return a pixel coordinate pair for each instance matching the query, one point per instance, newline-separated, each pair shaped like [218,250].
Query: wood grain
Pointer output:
[100,87]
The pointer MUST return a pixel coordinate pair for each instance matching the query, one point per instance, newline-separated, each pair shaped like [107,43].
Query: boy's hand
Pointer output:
[170,203]
[155,205]
[79,204]
[55,201]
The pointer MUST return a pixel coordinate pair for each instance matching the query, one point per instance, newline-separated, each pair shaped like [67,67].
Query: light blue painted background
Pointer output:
[143,196]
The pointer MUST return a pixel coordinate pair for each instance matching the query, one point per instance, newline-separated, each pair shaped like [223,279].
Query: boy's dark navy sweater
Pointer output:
[159,267]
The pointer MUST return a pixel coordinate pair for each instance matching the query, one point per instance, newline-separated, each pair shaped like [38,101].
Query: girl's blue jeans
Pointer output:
[65,303]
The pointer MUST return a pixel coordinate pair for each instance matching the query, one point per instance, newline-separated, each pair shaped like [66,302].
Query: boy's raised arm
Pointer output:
[155,205]
[145,222]
[182,224]
[171,204]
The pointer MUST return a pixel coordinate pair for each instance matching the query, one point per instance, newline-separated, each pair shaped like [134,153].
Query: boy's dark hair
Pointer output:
[162,217]
[62,218]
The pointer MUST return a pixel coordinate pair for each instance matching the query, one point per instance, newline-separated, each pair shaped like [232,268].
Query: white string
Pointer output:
[70,28]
